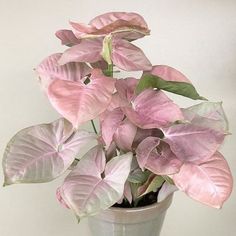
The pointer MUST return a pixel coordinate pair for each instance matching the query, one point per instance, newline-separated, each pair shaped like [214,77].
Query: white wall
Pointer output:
[196,36]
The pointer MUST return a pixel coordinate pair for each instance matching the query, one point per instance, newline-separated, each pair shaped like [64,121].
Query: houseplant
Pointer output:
[147,146]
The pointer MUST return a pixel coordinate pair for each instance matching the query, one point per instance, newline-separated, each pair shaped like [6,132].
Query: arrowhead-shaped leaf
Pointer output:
[209,182]
[41,153]
[191,143]
[49,70]
[152,109]
[79,102]
[89,50]
[168,79]
[129,57]
[86,192]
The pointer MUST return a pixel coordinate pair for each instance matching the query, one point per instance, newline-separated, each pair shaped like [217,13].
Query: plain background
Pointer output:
[198,37]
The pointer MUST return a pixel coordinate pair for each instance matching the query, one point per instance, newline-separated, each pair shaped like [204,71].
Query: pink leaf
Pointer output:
[128,57]
[141,134]
[78,102]
[130,26]
[89,50]
[192,143]
[127,192]
[157,157]
[152,109]
[209,182]
[67,37]
[86,192]
[42,153]
[208,114]
[81,30]
[110,17]
[126,88]
[49,70]
[169,74]
[110,124]
[144,149]
[124,135]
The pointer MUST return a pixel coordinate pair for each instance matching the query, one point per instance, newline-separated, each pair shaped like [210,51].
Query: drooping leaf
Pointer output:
[210,182]
[49,70]
[168,79]
[129,57]
[86,192]
[41,153]
[89,50]
[152,109]
[78,102]
[191,143]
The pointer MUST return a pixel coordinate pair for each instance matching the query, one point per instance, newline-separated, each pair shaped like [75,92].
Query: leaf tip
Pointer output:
[203,98]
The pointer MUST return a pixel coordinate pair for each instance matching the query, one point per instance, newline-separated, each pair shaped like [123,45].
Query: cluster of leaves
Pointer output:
[146,143]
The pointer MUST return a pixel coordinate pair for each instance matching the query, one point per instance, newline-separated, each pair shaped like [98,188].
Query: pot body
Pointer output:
[140,221]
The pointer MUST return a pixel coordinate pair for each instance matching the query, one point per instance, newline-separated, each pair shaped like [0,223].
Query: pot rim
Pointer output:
[136,214]
[137,209]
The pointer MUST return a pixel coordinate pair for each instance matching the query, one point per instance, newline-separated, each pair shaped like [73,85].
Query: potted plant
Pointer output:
[146,148]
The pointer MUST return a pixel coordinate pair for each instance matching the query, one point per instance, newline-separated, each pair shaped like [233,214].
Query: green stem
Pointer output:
[110,70]
[94,127]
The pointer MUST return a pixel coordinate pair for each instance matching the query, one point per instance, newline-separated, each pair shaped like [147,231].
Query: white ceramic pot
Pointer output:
[140,221]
